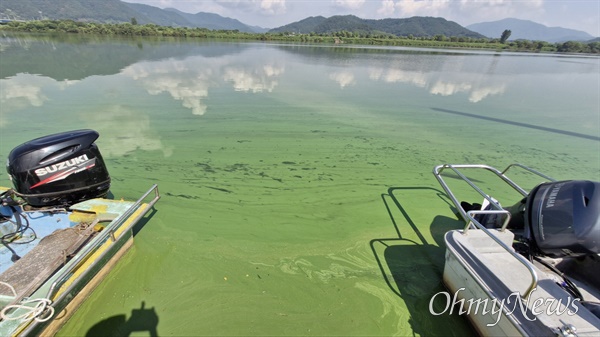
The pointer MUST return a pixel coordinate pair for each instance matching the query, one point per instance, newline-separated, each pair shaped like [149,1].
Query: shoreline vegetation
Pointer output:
[341,37]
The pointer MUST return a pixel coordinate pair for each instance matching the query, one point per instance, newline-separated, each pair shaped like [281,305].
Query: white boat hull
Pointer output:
[490,284]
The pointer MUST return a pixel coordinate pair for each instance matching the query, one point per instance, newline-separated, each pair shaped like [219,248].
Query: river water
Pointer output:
[297,194]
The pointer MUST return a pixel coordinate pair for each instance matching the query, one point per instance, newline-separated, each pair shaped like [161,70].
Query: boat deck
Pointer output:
[46,240]
[51,259]
[29,272]
[500,277]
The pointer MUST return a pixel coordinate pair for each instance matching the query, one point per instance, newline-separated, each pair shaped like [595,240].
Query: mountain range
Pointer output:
[415,26]
[529,30]
[114,11]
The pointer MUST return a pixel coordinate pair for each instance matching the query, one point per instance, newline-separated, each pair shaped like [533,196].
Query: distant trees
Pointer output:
[594,47]
[342,36]
[505,35]
[569,46]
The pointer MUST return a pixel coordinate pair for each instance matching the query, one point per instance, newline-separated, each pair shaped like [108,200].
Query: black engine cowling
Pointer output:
[563,218]
[59,169]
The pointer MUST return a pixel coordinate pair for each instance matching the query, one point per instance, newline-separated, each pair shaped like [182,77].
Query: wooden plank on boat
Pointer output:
[32,270]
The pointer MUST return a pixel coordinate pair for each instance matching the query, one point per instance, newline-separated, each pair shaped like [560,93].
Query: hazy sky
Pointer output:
[575,14]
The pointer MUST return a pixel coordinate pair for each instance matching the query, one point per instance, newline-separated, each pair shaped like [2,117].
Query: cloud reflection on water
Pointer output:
[177,78]
[190,80]
[261,78]
[392,75]
[134,132]
[343,78]
[21,91]
[477,86]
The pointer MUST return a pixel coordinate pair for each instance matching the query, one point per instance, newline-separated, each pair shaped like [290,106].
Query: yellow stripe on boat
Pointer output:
[93,257]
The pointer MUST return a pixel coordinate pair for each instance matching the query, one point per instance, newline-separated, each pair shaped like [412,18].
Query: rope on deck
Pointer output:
[40,312]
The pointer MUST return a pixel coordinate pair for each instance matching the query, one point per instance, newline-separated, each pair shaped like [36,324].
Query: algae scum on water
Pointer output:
[296,180]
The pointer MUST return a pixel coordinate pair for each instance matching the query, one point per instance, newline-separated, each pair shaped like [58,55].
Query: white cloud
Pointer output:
[238,3]
[269,7]
[351,4]
[386,9]
[273,7]
[582,15]
[479,11]
[464,11]
[502,3]
[421,8]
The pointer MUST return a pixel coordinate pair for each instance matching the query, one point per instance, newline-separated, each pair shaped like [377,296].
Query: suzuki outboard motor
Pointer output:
[59,170]
[563,218]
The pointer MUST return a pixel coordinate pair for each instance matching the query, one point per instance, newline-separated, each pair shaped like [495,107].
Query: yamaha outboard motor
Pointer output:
[563,218]
[59,170]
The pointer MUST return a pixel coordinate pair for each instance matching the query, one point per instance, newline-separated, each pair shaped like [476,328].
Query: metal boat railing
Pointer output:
[469,217]
[107,233]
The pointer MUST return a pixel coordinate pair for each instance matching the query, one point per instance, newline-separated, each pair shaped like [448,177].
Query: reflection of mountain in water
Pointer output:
[427,60]
[476,74]
[67,57]
[73,57]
